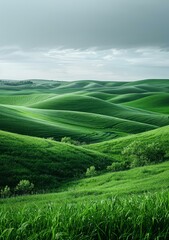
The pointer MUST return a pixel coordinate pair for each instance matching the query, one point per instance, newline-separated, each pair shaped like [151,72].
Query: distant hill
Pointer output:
[88,111]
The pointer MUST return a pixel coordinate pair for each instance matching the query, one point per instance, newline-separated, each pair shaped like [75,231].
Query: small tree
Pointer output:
[24,187]
[5,192]
[91,172]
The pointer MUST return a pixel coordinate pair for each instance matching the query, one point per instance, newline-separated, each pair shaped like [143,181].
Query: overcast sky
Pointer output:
[84,39]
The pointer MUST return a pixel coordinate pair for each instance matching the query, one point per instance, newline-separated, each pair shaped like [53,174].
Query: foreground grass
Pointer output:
[131,204]
[141,217]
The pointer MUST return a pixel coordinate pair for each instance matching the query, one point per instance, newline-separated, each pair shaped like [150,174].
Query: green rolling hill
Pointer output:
[87,111]
[114,147]
[89,127]
[154,103]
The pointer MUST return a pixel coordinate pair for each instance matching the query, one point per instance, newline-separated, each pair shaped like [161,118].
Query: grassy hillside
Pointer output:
[154,178]
[128,97]
[114,147]
[24,100]
[135,181]
[88,127]
[154,103]
[73,102]
[45,162]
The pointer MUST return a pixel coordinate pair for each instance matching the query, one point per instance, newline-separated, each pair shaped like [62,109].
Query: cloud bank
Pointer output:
[71,64]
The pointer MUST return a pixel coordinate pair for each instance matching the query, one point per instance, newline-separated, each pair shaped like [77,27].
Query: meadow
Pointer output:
[103,118]
[131,217]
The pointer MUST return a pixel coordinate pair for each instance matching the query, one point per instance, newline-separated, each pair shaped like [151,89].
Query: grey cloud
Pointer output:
[84,24]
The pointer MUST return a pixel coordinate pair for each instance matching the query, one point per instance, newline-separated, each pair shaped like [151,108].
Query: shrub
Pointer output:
[24,187]
[69,140]
[91,172]
[118,166]
[141,154]
[5,192]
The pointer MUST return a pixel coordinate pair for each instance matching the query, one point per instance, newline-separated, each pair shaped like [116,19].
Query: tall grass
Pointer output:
[142,217]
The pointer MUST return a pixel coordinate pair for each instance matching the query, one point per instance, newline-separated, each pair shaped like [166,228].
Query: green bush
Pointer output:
[91,172]
[141,154]
[24,187]
[5,192]
[118,166]
[69,140]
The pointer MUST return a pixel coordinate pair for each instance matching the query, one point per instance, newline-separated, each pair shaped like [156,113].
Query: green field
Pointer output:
[104,117]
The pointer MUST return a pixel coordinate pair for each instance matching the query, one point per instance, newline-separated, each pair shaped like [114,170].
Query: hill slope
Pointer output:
[156,103]
[88,127]
[114,147]
[45,162]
